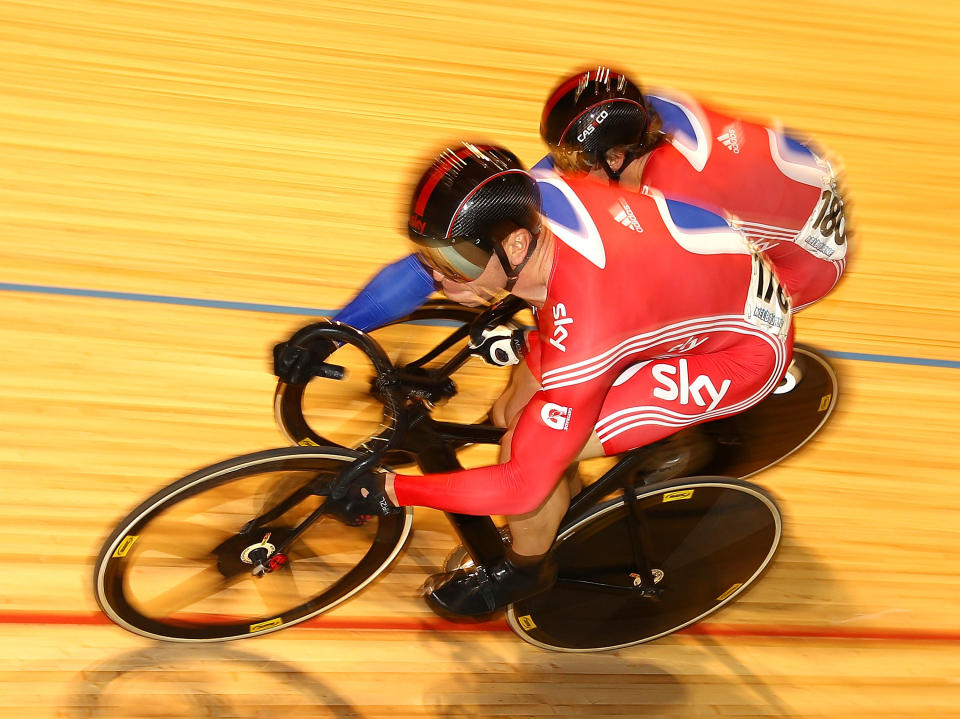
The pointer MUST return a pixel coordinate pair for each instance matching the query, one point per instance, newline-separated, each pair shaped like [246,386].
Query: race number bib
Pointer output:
[825,234]
[768,305]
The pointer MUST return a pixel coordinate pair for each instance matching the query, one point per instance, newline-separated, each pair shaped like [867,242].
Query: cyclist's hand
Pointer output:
[365,498]
[296,365]
[500,346]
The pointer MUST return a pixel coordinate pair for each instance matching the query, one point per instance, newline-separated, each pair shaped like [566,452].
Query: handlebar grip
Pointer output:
[331,371]
[361,465]
[338,333]
[495,315]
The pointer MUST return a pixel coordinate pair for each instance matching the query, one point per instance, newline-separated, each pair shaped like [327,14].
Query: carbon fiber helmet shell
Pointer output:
[591,112]
[466,202]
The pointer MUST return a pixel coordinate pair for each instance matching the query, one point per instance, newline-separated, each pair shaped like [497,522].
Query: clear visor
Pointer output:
[461,261]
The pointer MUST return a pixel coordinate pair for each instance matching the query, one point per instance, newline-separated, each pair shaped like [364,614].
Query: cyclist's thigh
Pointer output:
[806,277]
[656,398]
[531,357]
[521,388]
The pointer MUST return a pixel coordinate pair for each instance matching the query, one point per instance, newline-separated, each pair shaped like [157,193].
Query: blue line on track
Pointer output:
[166,299]
[315,312]
[893,359]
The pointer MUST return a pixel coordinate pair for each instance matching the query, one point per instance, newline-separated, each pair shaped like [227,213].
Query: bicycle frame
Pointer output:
[408,394]
[623,536]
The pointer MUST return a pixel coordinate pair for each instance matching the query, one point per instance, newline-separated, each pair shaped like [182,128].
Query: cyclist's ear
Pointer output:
[517,245]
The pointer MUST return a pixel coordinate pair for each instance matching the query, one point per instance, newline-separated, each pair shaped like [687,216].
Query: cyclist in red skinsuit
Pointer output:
[779,192]
[644,327]
[680,300]
[781,196]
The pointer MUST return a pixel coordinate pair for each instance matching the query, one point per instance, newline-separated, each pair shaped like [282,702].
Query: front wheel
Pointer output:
[344,412]
[708,539]
[178,567]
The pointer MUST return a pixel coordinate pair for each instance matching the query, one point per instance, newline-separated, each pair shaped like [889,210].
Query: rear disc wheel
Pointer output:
[708,538]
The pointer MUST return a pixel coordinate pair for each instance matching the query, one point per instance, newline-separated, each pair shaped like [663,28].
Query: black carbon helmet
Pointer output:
[466,203]
[590,113]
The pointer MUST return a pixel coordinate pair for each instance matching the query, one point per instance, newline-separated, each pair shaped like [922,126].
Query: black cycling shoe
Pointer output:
[478,591]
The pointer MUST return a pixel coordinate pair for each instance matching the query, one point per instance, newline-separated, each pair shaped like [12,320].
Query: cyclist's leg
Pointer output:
[524,383]
[533,532]
[525,571]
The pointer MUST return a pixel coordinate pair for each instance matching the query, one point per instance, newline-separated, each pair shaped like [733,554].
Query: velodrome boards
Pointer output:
[184,182]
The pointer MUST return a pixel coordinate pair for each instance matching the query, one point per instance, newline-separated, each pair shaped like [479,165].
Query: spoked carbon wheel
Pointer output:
[176,568]
[709,538]
[344,412]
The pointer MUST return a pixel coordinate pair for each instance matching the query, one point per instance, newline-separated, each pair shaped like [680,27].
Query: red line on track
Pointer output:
[438,624]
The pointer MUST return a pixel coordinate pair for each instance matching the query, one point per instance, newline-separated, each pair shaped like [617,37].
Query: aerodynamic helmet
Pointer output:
[590,113]
[466,203]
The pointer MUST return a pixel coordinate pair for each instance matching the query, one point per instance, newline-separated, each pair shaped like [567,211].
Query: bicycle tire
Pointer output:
[782,424]
[297,421]
[711,538]
[163,547]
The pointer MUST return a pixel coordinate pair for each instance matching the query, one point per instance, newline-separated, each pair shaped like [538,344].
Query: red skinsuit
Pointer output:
[771,186]
[657,316]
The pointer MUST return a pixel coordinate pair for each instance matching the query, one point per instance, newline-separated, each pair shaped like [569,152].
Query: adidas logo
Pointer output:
[730,139]
[624,215]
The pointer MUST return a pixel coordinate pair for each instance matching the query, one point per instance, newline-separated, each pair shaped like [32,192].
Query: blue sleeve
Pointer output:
[397,290]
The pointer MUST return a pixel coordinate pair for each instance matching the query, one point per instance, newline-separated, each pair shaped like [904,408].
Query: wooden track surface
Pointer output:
[232,151]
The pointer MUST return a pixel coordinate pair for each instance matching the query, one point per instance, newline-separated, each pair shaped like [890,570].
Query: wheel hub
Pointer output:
[638,580]
[244,552]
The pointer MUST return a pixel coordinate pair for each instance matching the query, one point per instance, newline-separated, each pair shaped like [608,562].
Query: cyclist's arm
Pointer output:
[551,431]
[394,292]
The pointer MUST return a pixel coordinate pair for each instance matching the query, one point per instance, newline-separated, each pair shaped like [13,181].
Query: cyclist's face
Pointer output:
[488,287]
[631,177]
[571,162]
[615,157]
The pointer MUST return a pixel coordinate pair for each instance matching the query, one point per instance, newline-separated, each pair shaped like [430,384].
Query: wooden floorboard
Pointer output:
[257,157]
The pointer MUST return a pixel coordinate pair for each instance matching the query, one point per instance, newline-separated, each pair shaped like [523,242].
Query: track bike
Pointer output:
[244,547]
